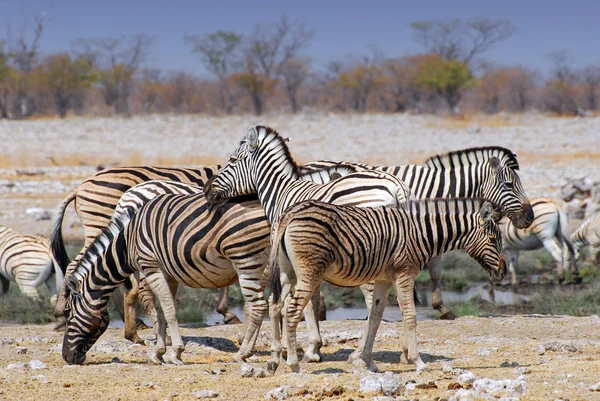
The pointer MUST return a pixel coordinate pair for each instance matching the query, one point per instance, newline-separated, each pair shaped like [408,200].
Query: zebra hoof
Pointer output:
[311,357]
[448,316]
[155,359]
[295,367]
[272,367]
[173,358]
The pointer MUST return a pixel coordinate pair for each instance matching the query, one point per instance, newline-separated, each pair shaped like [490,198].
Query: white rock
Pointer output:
[595,387]
[386,383]
[463,395]
[500,388]
[279,393]
[466,378]
[21,350]
[205,394]
[36,364]
[17,366]
[246,370]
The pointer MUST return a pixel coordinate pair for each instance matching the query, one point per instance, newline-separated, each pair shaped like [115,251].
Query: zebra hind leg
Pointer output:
[435,271]
[130,298]
[222,296]
[257,307]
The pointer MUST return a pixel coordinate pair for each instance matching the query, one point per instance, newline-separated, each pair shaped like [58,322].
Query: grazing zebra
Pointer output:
[26,260]
[549,230]
[349,246]
[95,199]
[262,164]
[171,239]
[588,234]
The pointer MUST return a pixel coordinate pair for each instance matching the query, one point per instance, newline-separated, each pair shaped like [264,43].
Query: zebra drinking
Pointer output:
[349,246]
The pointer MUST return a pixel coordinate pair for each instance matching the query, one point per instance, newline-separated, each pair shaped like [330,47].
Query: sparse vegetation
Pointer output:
[16,307]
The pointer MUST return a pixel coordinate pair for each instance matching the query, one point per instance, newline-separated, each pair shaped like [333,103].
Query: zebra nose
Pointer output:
[528,215]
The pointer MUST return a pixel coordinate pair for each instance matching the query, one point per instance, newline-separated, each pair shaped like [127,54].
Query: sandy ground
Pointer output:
[41,161]
[558,355]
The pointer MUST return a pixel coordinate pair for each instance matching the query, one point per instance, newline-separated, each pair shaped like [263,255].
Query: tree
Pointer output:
[403,81]
[448,78]
[119,59]
[268,50]
[65,79]
[294,72]
[591,83]
[560,88]
[220,54]
[5,74]
[151,86]
[459,39]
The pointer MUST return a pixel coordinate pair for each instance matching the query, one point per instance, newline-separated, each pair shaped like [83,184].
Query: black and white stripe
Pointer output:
[588,234]
[550,230]
[351,246]
[27,261]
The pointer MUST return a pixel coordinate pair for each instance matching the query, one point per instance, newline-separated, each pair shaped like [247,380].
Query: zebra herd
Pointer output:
[262,218]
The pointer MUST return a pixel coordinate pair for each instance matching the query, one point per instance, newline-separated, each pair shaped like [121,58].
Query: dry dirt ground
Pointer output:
[558,355]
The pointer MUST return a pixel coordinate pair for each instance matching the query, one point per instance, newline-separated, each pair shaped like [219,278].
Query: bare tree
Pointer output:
[559,96]
[591,82]
[268,50]
[220,54]
[459,39]
[23,55]
[294,72]
[119,59]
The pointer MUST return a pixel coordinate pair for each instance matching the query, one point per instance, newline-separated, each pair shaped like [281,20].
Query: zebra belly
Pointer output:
[214,273]
[353,276]
[529,243]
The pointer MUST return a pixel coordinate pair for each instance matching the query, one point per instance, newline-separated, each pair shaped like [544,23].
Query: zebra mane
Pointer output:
[449,205]
[481,153]
[283,142]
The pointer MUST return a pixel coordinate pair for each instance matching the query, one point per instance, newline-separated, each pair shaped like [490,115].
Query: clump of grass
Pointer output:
[465,308]
[16,307]
[193,304]
[568,301]
[460,271]
[341,297]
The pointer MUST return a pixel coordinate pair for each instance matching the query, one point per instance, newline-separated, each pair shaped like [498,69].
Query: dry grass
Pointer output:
[466,121]
[564,157]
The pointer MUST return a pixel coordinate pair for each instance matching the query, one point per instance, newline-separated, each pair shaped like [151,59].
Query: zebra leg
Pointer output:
[556,251]
[435,271]
[311,315]
[5,284]
[254,298]
[130,297]
[222,296]
[24,281]
[148,301]
[306,286]
[367,291]
[363,356]
[405,289]
[278,324]
[165,290]
[512,265]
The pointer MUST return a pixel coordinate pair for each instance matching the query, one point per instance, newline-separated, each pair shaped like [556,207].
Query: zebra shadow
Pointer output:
[218,343]
[381,356]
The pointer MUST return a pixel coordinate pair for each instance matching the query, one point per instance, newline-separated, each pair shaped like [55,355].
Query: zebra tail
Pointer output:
[277,232]
[57,244]
[416,297]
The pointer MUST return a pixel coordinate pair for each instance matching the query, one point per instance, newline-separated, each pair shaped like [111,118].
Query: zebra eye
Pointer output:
[509,185]
[233,160]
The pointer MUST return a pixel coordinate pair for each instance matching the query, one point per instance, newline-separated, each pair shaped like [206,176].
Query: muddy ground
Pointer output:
[558,355]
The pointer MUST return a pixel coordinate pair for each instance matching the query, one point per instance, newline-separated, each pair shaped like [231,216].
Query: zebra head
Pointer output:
[485,245]
[502,186]
[84,323]
[260,146]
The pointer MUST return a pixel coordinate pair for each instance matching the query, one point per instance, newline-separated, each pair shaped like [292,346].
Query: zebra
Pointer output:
[549,230]
[588,234]
[483,172]
[171,239]
[487,172]
[26,260]
[95,199]
[263,165]
[349,246]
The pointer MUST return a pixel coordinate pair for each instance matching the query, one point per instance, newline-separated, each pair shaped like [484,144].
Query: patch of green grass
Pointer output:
[460,271]
[16,307]
[567,300]
[194,304]
[466,308]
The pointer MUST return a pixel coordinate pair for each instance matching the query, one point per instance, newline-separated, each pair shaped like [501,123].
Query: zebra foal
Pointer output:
[27,261]
[549,230]
[350,246]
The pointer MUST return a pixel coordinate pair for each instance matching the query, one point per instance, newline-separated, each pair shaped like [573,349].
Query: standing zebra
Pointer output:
[487,172]
[26,260]
[349,246]
[171,239]
[588,234]
[262,164]
[549,230]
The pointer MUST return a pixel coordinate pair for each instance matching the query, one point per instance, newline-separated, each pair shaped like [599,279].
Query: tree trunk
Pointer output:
[257,101]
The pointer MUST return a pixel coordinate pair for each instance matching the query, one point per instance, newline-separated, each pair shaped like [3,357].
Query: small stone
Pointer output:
[205,394]
[540,349]
[246,370]
[507,364]
[21,350]
[17,366]
[466,378]
[523,370]
[36,364]
[259,373]
[387,383]
[171,395]
[115,360]
[151,385]
[447,368]
[279,393]
[595,387]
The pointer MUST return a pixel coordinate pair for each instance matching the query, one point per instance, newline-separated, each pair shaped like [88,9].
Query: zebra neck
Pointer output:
[273,176]
[435,236]
[442,180]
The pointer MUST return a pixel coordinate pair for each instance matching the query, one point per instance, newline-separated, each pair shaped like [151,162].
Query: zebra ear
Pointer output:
[486,213]
[252,138]
[73,285]
[495,163]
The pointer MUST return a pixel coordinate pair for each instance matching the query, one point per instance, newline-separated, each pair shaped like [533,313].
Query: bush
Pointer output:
[16,307]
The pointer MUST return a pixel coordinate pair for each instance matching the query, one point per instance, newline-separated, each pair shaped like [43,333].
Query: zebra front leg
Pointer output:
[275,309]
[146,297]
[555,249]
[363,356]
[130,297]
[512,265]
[165,290]
[405,289]
[435,271]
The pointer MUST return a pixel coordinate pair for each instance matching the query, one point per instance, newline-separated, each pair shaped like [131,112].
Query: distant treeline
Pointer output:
[266,70]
